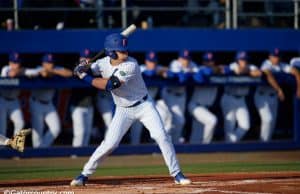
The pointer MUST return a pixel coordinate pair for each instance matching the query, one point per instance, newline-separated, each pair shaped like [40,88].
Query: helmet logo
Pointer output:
[209,56]
[16,55]
[86,52]
[186,53]
[152,55]
[50,57]
[276,51]
[122,73]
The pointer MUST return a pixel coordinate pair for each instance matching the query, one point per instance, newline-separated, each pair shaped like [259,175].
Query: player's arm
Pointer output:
[63,72]
[274,84]
[296,74]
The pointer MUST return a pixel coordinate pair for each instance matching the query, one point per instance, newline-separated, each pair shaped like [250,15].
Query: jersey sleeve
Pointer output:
[286,68]
[233,67]
[32,71]
[96,68]
[4,71]
[252,67]
[266,65]
[175,66]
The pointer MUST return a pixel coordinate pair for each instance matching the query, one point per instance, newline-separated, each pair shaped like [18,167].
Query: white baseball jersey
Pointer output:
[176,67]
[238,90]
[267,65]
[11,93]
[295,62]
[132,90]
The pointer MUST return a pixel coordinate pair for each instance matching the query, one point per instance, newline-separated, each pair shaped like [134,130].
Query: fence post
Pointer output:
[16,15]
[227,14]
[235,14]
[124,14]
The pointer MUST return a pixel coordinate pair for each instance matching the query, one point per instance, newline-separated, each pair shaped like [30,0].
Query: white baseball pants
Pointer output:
[235,111]
[166,117]
[82,118]
[12,109]
[267,108]
[203,125]
[147,114]
[40,113]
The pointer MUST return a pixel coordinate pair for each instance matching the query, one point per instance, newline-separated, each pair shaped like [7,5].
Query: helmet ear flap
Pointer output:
[111,54]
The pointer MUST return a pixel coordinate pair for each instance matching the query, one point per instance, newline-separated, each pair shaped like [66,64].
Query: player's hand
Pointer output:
[81,69]
[280,95]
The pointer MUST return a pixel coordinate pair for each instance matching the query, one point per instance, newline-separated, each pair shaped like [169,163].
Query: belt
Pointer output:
[264,93]
[175,93]
[40,101]
[236,96]
[139,102]
[8,98]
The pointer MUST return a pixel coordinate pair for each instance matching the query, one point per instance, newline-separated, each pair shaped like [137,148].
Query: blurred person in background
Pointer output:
[9,102]
[204,121]
[175,96]
[82,110]
[266,97]
[151,69]
[233,104]
[42,107]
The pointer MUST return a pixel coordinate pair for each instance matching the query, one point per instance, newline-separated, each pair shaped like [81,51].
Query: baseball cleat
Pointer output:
[180,179]
[79,181]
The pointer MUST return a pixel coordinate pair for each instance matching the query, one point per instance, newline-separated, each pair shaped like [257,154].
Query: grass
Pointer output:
[65,171]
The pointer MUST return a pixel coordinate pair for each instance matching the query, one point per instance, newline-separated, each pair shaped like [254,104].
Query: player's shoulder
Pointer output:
[5,70]
[252,66]
[295,62]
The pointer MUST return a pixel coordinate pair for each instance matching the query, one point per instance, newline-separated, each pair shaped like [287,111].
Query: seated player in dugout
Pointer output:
[233,104]
[122,77]
[42,107]
[266,97]
[175,96]
[204,121]
[150,69]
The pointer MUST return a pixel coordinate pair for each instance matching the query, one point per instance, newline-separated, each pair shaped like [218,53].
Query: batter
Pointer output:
[122,77]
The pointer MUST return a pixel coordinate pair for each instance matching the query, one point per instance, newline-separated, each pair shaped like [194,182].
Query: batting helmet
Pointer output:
[115,42]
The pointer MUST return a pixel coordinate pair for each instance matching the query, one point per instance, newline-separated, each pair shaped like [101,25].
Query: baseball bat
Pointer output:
[129,30]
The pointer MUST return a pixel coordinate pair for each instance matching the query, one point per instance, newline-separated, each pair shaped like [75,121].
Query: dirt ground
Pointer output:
[244,183]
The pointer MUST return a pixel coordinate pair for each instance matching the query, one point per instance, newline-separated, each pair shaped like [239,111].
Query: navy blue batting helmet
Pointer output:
[115,42]
[242,55]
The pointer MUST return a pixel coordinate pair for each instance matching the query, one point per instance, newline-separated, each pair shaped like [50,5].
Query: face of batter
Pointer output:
[274,60]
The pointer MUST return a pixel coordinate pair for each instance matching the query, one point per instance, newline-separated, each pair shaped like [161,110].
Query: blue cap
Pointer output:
[151,56]
[116,42]
[207,57]
[241,55]
[275,52]
[14,57]
[86,53]
[48,58]
[185,54]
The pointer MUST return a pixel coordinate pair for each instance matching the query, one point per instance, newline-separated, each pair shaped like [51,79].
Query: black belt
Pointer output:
[139,102]
[175,93]
[41,101]
[236,96]
[268,94]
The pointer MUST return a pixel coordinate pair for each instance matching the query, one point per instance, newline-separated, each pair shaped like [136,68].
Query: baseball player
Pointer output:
[42,108]
[151,69]
[202,98]
[175,96]
[295,70]
[122,77]
[266,97]
[233,103]
[82,110]
[17,142]
[9,103]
